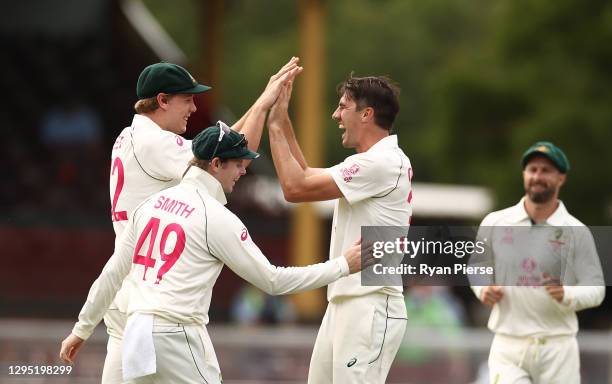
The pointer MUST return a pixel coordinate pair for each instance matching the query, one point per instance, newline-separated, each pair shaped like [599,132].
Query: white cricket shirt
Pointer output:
[145,160]
[530,310]
[173,250]
[376,189]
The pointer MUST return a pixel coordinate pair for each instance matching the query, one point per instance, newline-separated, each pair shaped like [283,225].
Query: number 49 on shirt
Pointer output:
[150,232]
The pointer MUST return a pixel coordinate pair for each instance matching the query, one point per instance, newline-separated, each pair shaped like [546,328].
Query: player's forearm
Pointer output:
[240,123]
[294,146]
[98,301]
[287,280]
[290,173]
[252,125]
[101,295]
[583,297]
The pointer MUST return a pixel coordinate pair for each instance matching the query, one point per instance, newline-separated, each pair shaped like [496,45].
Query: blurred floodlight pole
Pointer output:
[306,226]
[211,53]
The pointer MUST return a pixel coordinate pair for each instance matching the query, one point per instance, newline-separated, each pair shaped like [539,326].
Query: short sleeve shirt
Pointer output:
[376,189]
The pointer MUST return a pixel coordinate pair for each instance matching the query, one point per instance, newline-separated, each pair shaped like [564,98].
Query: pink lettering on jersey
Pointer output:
[410,197]
[176,207]
[159,202]
[179,141]
[348,173]
[168,205]
[244,234]
[118,142]
[187,211]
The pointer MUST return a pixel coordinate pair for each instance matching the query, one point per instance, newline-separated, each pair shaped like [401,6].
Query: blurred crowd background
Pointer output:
[481,80]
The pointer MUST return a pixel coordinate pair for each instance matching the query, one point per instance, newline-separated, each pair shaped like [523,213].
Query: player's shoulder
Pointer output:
[497,217]
[216,211]
[571,221]
[122,140]
[160,137]
[380,160]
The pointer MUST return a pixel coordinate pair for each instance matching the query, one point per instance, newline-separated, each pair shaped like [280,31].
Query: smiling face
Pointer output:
[349,119]
[228,172]
[178,109]
[542,180]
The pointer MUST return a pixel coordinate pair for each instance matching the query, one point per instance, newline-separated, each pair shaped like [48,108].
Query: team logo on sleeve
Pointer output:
[179,141]
[348,173]
[244,234]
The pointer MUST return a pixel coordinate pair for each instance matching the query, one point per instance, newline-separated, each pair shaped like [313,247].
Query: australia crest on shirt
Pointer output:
[523,255]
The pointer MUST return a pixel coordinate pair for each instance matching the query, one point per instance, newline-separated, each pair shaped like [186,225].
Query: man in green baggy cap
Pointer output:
[150,155]
[546,269]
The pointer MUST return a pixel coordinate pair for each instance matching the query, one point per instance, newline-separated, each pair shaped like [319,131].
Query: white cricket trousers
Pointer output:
[115,321]
[184,354]
[358,339]
[534,360]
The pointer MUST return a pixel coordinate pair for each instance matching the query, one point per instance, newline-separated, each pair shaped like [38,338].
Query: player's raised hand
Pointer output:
[286,74]
[70,347]
[553,287]
[280,109]
[491,294]
[358,258]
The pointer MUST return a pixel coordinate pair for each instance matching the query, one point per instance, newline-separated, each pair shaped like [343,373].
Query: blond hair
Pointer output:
[149,105]
[146,105]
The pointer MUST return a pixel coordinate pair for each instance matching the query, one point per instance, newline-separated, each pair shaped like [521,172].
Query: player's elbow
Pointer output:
[293,193]
[272,289]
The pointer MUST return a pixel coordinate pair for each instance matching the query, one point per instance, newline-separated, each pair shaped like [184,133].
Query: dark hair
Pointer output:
[378,92]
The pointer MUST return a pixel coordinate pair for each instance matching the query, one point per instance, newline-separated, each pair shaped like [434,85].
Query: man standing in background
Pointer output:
[371,188]
[535,326]
[150,156]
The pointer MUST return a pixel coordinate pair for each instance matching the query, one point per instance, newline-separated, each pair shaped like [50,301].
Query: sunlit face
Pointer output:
[349,120]
[229,172]
[542,180]
[179,108]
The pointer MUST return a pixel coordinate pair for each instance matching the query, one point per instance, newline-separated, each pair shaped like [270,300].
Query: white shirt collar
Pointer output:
[200,178]
[518,214]
[143,121]
[388,142]
[558,217]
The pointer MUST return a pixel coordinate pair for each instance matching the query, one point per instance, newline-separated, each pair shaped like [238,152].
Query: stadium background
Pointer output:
[480,81]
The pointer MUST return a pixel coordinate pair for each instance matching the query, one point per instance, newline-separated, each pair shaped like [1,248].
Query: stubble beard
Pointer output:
[543,196]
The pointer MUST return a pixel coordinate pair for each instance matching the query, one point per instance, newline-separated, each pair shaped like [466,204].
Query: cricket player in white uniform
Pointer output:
[172,251]
[535,326]
[149,156]
[372,188]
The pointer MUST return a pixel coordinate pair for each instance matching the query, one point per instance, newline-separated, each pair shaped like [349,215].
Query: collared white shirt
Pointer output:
[564,246]
[173,250]
[376,189]
[145,160]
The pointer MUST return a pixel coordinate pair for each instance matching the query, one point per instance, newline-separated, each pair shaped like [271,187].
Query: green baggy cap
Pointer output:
[549,150]
[221,141]
[166,78]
